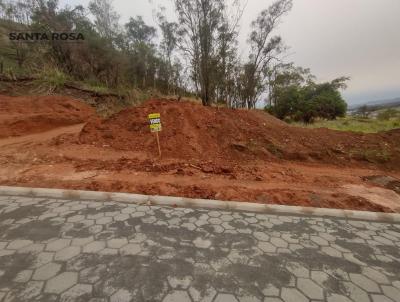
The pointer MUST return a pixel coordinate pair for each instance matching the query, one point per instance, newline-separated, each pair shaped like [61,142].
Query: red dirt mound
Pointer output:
[192,131]
[26,115]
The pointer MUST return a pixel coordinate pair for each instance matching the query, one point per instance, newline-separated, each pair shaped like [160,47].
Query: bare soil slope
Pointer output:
[191,131]
[207,153]
[26,115]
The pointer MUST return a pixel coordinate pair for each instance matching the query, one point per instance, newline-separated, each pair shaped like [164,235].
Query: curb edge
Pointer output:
[200,203]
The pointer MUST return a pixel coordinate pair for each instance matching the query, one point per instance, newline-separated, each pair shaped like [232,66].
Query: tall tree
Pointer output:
[168,45]
[264,49]
[106,18]
[199,21]
[141,51]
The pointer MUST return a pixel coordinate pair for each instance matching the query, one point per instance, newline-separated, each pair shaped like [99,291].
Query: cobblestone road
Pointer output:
[62,250]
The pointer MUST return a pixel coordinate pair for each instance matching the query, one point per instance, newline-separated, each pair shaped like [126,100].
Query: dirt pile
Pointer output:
[208,152]
[201,134]
[27,115]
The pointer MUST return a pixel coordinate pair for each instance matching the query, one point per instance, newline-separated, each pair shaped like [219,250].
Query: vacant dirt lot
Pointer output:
[207,153]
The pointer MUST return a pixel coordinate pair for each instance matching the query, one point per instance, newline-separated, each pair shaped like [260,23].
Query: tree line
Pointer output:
[197,53]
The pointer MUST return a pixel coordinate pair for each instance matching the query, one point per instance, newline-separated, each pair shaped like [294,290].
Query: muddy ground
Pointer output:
[214,153]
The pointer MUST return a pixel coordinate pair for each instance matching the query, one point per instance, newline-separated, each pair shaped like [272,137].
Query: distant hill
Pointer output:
[388,103]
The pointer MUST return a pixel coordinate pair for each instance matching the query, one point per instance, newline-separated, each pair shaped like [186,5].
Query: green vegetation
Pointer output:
[51,79]
[195,55]
[295,96]
[384,122]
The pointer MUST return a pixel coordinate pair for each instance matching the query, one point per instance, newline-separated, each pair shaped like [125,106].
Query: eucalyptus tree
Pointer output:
[265,47]
[199,21]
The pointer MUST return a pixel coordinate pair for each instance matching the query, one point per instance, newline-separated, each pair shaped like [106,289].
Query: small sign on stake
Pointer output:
[155,126]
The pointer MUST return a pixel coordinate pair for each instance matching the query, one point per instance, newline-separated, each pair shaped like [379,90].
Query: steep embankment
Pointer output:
[191,131]
[27,115]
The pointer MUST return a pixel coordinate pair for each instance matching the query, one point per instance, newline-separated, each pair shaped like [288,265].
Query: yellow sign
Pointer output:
[155,122]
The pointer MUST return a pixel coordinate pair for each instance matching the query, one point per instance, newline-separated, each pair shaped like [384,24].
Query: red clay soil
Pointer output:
[220,135]
[26,115]
[208,152]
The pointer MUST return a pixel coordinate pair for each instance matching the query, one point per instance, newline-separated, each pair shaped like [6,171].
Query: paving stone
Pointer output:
[179,283]
[42,259]
[365,283]
[6,252]
[205,295]
[81,241]
[92,274]
[57,245]
[122,295]
[78,292]
[104,220]
[237,257]
[202,243]
[18,244]
[61,282]
[34,248]
[391,292]
[272,299]
[355,293]
[278,242]
[261,236]
[225,298]
[94,247]
[310,289]
[380,298]
[292,295]
[31,290]
[47,271]
[75,218]
[214,213]
[320,241]
[248,298]
[297,269]
[108,251]
[121,217]
[375,275]
[67,253]
[177,296]
[270,290]
[130,249]
[338,298]
[181,253]
[137,238]
[267,247]
[117,243]
[330,251]
[23,276]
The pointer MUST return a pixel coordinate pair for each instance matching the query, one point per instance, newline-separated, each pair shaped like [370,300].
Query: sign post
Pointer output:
[155,126]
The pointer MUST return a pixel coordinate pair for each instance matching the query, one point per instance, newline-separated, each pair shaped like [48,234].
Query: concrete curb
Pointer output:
[199,203]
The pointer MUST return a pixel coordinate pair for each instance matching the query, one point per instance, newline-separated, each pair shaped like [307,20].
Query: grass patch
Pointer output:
[356,124]
[51,79]
[97,88]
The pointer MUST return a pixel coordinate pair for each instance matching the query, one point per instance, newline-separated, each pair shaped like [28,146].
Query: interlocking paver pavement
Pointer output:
[64,250]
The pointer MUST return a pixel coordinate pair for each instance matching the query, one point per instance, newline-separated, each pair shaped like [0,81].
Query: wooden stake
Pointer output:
[158,144]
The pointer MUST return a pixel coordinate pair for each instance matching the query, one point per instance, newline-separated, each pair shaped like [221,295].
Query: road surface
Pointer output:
[69,250]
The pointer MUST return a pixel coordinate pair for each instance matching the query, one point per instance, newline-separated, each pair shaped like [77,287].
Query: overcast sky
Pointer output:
[356,38]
